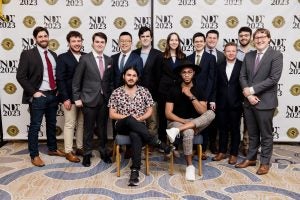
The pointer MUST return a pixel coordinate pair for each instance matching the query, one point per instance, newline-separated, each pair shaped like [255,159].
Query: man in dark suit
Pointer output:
[92,86]
[260,73]
[229,104]
[66,65]
[36,75]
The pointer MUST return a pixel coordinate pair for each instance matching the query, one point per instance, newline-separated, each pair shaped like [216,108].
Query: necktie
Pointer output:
[257,60]
[210,51]
[122,63]
[101,66]
[198,60]
[50,72]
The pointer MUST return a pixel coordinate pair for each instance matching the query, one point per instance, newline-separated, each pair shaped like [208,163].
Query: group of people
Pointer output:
[152,95]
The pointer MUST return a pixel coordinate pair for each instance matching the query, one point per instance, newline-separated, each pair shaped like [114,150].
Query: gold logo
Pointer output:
[256,2]
[58,131]
[138,44]
[5,1]
[278,22]
[53,44]
[120,22]
[29,21]
[97,2]
[51,2]
[292,132]
[7,44]
[74,22]
[12,130]
[164,2]
[210,2]
[162,44]
[297,45]
[10,88]
[186,22]
[232,21]
[142,2]
[295,90]
[275,112]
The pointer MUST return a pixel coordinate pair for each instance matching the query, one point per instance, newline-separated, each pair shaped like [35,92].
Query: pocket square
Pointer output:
[108,66]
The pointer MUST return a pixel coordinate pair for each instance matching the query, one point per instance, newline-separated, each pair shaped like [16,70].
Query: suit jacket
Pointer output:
[264,81]
[220,57]
[229,92]
[87,83]
[150,77]
[133,60]
[65,69]
[30,72]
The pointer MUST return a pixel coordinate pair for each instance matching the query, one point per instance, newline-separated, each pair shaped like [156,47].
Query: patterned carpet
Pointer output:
[60,179]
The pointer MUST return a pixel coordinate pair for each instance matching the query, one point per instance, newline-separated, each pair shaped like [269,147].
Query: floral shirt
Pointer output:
[126,105]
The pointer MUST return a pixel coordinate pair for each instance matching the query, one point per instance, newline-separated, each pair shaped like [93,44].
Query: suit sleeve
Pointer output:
[212,77]
[61,73]
[77,79]
[244,74]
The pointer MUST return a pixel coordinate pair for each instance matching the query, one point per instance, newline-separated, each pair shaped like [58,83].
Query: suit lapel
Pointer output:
[234,71]
[94,64]
[148,61]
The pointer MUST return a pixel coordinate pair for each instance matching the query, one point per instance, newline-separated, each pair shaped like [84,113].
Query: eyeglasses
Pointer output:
[125,41]
[187,73]
[261,37]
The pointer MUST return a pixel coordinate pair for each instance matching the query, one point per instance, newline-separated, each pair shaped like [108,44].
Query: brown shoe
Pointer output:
[72,158]
[263,169]
[37,161]
[79,152]
[232,160]
[219,157]
[56,153]
[246,163]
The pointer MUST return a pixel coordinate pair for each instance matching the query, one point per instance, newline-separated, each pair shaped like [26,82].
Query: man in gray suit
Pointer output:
[92,86]
[260,73]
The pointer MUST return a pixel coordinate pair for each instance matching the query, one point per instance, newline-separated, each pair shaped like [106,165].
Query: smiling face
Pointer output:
[75,44]
[174,42]
[261,41]
[199,43]
[230,53]
[146,39]
[211,40]
[42,39]
[99,44]
[125,43]
[244,38]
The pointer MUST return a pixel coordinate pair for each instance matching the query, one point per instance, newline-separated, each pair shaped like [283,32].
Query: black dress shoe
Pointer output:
[86,161]
[106,159]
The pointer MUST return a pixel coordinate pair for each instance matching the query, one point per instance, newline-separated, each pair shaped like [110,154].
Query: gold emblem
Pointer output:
[295,90]
[142,2]
[51,2]
[138,44]
[292,132]
[186,22]
[164,2]
[256,2]
[232,21]
[74,22]
[10,88]
[297,45]
[275,112]
[5,1]
[58,131]
[162,44]
[29,21]
[7,44]
[120,22]
[210,2]
[97,2]
[278,22]
[12,130]
[53,44]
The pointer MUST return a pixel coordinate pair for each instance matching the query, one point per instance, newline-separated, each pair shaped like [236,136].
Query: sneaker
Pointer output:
[190,173]
[134,178]
[172,133]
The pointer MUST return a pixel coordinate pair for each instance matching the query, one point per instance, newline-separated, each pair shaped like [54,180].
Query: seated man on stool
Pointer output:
[186,111]
[130,105]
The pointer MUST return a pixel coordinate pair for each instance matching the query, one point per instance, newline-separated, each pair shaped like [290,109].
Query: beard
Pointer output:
[43,44]
[243,44]
[130,84]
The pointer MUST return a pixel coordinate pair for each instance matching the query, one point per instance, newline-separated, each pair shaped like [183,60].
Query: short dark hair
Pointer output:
[101,35]
[125,33]
[144,29]
[245,29]
[73,34]
[198,34]
[134,68]
[214,32]
[39,29]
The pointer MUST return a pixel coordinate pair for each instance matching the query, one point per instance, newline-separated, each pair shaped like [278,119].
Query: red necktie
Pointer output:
[50,72]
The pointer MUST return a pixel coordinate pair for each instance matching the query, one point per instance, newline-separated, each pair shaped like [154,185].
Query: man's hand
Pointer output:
[246,92]
[79,103]
[212,106]
[186,91]
[253,99]
[67,104]
[38,94]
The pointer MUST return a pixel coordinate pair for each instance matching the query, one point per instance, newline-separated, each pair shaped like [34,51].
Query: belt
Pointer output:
[51,92]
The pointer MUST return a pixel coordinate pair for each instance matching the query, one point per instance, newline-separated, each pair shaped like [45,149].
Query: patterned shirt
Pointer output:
[126,105]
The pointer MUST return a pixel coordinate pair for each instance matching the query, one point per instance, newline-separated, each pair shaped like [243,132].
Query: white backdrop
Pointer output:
[281,17]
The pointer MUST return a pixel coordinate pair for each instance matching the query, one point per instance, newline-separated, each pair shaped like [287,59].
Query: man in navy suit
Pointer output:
[66,65]
[36,75]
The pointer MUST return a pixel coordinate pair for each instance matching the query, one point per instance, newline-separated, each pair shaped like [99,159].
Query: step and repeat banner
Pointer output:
[281,17]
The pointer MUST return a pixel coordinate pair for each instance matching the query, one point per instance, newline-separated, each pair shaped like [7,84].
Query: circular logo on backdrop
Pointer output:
[256,2]
[278,22]
[232,21]
[120,22]
[275,112]
[29,21]
[53,44]
[10,88]
[74,22]
[58,131]
[295,90]
[7,44]
[142,2]
[210,2]
[164,2]
[97,2]
[186,22]
[292,132]
[5,1]
[138,45]
[297,45]
[51,2]
[12,130]
[162,44]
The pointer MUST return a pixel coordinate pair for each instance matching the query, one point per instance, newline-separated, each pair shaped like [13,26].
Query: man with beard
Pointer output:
[66,65]
[130,105]
[36,75]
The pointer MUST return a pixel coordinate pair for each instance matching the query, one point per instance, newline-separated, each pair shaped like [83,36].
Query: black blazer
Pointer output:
[65,69]
[30,72]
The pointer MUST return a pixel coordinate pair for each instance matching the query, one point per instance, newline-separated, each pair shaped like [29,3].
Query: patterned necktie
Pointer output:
[257,60]
[50,72]
[101,66]
[122,63]
[198,60]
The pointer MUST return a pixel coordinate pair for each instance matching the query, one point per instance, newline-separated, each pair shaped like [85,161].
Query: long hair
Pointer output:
[167,52]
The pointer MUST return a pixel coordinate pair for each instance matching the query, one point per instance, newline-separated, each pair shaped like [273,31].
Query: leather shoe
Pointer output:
[79,152]
[203,156]
[263,169]
[72,158]
[246,163]
[86,161]
[37,161]
[232,160]
[219,156]
[106,159]
[56,153]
